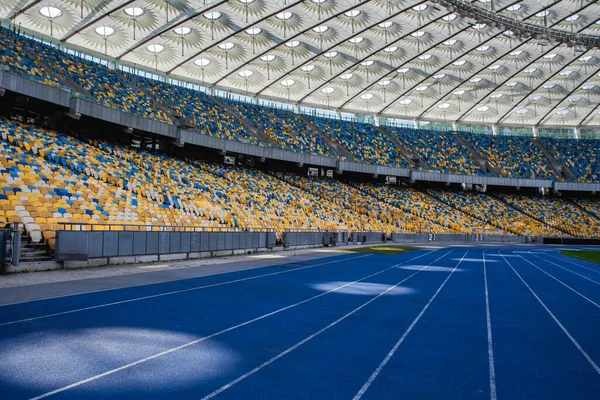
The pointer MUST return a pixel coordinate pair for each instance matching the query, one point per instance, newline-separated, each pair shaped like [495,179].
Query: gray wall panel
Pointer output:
[213,241]
[164,241]
[110,246]
[195,241]
[152,246]
[125,243]
[175,243]
[139,243]
[229,240]
[186,242]
[204,241]
[95,244]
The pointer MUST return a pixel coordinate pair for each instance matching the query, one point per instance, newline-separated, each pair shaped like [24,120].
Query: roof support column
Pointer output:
[376,120]
[454,126]
[577,132]
[416,123]
[495,129]
[536,131]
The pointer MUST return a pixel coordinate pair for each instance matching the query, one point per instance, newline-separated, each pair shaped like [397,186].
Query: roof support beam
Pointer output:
[94,20]
[234,33]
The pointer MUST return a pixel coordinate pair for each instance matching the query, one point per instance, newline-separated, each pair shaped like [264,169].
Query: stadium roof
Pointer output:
[404,59]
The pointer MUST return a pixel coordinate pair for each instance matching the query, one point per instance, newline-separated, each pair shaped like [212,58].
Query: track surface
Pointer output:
[454,323]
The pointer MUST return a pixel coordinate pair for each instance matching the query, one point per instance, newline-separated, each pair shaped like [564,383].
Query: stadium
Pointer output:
[309,199]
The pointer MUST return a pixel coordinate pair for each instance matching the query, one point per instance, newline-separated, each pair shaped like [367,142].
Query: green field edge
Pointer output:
[381,249]
[586,255]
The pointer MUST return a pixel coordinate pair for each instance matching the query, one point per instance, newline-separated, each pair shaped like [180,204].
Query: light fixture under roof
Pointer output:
[536,97]
[585,58]
[246,1]
[572,18]
[321,29]
[450,42]
[514,7]
[268,57]
[246,73]
[51,12]
[459,92]
[318,1]
[327,90]
[352,13]
[367,63]
[347,76]
[405,102]
[549,85]
[253,31]
[182,30]
[424,57]
[202,62]
[449,17]
[155,48]
[308,68]
[422,88]
[331,54]
[494,67]
[459,63]
[479,27]
[384,82]
[588,87]
[292,44]
[542,14]
[530,70]
[418,34]
[516,53]
[284,15]
[226,46]
[134,11]
[403,70]
[439,76]
[481,49]
[104,31]
[366,96]
[566,73]
[390,49]
[550,56]
[496,96]
[356,40]
[575,99]
[287,82]
[482,109]
[562,112]
[512,84]
[444,106]
[522,111]
[212,15]
[420,7]
[385,24]
[475,80]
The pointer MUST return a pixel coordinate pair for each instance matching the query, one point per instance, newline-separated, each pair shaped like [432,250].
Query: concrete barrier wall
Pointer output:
[83,245]
[367,237]
[432,237]
[291,239]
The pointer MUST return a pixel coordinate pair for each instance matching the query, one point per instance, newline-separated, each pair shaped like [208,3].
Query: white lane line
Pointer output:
[372,378]
[560,325]
[493,395]
[568,270]
[173,292]
[204,338]
[302,342]
[562,283]
[571,262]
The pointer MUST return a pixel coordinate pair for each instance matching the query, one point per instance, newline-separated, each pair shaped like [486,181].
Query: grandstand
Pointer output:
[454,144]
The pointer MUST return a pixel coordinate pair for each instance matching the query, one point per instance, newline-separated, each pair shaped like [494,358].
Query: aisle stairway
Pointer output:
[483,162]
[411,158]
[561,170]
[338,148]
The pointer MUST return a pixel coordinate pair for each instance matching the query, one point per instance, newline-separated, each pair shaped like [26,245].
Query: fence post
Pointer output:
[16,245]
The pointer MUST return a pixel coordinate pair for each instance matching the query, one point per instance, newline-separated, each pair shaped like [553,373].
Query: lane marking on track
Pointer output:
[560,325]
[302,342]
[562,283]
[571,262]
[381,366]
[115,303]
[493,395]
[204,338]
[568,270]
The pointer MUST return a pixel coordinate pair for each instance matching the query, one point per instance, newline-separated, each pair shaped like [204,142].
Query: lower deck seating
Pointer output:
[559,213]
[495,212]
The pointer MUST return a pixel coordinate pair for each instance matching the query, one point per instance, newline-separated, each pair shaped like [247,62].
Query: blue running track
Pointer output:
[454,323]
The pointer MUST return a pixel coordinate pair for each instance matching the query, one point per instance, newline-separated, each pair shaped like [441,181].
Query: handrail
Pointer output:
[78,226]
